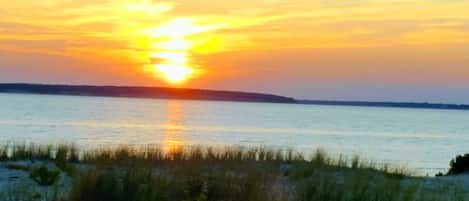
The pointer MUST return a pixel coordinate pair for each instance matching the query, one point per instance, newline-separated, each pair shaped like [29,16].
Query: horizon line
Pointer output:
[367,103]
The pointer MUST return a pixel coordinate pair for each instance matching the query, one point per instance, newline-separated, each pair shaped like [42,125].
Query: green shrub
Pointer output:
[61,156]
[43,176]
[459,164]
[4,153]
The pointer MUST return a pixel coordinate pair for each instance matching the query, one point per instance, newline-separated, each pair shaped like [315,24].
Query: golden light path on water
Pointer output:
[173,138]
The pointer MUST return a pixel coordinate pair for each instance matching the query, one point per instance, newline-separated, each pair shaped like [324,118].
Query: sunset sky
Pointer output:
[393,50]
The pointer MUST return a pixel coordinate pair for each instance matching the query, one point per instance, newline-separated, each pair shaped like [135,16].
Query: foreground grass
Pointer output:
[223,174]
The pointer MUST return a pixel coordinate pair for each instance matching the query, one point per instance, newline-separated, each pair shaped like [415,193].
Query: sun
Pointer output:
[172,50]
[173,73]
[174,66]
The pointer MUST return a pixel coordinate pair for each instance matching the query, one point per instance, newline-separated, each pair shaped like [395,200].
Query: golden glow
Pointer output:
[178,41]
[178,28]
[174,44]
[175,57]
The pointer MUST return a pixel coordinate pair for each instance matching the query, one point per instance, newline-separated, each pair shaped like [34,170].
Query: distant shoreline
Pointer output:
[411,105]
[201,94]
[143,92]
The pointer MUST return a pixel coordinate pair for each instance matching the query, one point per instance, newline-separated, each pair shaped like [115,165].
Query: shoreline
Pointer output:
[204,95]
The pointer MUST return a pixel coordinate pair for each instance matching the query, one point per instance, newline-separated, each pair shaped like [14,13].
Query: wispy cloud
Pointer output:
[258,22]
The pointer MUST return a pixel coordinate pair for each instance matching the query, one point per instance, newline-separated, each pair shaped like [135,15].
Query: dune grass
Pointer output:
[198,173]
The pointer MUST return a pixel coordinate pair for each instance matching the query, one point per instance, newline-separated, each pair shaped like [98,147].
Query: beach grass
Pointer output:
[197,173]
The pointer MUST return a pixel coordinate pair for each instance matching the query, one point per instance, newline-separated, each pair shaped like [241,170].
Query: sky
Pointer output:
[373,50]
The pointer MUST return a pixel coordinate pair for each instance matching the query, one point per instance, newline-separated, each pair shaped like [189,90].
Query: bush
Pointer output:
[459,164]
[43,176]
[439,174]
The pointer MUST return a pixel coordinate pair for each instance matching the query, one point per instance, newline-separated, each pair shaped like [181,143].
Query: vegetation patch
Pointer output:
[196,173]
[459,165]
[43,176]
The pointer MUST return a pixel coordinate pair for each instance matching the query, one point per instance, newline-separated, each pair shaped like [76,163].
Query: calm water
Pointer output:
[424,140]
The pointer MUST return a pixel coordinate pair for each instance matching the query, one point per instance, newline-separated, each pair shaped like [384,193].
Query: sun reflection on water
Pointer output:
[173,140]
